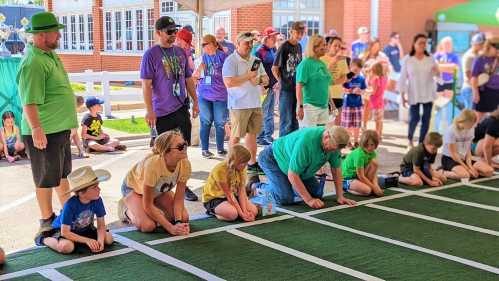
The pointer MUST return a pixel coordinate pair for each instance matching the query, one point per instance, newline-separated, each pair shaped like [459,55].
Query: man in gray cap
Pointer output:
[466,95]
[49,107]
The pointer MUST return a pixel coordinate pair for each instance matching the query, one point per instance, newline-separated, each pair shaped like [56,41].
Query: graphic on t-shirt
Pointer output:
[84,219]
[95,128]
[167,183]
[292,62]
[172,67]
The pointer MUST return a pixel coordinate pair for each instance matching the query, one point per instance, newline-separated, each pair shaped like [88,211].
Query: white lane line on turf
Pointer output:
[65,263]
[433,219]
[461,202]
[218,229]
[303,256]
[166,258]
[483,187]
[464,261]
[54,275]
[359,203]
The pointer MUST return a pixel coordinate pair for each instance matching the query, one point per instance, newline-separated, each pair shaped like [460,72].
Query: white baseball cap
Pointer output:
[362,30]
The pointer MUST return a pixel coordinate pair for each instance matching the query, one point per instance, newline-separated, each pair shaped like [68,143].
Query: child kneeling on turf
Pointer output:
[360,167]
[75,225]
[416,167]
[456,158]
[224,194]
[92,134]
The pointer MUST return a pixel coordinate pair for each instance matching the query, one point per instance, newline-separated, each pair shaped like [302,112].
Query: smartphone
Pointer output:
[256,65]
[350,75]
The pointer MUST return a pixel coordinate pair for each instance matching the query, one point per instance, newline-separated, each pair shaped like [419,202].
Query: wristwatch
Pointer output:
[301,105]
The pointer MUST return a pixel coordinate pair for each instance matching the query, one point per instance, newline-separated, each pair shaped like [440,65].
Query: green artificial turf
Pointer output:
[471,194]
[131,266]
[446,210]
[364,254]
[233,258]
[42,256]
[464,243]
[330,201]
[491,183]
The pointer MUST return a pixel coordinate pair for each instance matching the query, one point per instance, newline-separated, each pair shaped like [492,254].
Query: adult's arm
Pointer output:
[488,149]
[236,81]
[147,93]
[33,118]
[191,90]
[299,187]
[155,213]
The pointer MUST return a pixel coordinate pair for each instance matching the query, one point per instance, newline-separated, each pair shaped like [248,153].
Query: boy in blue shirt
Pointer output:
[75,225]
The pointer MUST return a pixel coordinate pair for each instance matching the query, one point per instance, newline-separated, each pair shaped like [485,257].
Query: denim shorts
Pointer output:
[125,189]
[347,183]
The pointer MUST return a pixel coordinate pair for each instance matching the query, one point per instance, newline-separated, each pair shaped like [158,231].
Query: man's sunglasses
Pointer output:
[180,146]
[170,31]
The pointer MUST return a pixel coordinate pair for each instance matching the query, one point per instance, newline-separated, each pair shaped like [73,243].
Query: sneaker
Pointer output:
[122,211]
[251,186]
[222,153]
[189,195]
[45,225]
[254,169]
[207,154]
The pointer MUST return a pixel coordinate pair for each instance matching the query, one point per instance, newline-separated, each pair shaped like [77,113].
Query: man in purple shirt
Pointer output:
[166,81]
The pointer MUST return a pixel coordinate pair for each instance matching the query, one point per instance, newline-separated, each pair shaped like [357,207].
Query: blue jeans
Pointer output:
[466,97]
[278,184]
[209,112]
[268,116]
[287,113]
[414,118]
[448,108]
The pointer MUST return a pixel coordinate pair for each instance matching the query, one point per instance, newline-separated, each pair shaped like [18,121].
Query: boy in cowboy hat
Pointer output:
[75,224]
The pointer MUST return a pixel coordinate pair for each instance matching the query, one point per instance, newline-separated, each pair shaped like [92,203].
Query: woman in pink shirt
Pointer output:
[378,81]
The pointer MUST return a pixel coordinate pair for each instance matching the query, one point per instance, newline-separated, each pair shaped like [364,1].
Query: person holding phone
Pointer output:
[244,77]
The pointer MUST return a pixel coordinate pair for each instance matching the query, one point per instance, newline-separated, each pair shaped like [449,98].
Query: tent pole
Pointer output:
[200,12]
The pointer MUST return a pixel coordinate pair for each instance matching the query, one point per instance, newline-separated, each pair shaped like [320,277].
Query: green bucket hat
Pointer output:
[44,22]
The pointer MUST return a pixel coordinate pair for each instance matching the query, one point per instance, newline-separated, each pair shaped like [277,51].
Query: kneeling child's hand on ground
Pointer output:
[93,245]
[345,201]
[315,203]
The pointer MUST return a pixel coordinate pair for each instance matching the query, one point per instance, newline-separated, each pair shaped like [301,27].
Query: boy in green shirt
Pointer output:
[360,167]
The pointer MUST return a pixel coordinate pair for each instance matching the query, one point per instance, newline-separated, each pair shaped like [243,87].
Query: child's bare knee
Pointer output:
[65,247]
[417,181]
[147,226]
[109,239]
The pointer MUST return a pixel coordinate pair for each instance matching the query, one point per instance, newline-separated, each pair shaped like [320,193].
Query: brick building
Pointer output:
[112,34]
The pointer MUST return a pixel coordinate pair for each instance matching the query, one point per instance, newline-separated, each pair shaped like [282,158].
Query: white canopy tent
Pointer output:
[209,7]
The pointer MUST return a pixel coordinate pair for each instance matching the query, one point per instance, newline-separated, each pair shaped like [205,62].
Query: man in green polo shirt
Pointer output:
[49,114]
[291,162]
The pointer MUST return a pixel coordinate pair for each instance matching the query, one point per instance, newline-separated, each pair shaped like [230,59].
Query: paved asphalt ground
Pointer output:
[19,212]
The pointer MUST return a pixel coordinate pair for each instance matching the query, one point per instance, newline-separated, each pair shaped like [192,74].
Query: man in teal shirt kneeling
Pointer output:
[292,161]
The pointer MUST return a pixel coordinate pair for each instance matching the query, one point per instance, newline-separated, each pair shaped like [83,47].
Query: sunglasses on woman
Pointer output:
[180,146]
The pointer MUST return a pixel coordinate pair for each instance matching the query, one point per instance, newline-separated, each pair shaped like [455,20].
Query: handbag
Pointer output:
[483,78]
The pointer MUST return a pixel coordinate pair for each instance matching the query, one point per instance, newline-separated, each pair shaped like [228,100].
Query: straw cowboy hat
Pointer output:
[84,177]
[44,22]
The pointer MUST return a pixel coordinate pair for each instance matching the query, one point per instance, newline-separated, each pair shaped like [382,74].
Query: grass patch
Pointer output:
[139,126]
[80,87]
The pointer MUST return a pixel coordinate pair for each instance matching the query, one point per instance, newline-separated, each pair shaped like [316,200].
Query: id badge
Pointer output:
[176,89]
[207,80]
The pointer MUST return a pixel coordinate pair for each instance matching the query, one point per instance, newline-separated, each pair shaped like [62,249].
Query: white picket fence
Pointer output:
[89,78]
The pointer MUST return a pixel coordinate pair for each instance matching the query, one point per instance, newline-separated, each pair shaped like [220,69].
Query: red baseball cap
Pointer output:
[269,31]
[185,35]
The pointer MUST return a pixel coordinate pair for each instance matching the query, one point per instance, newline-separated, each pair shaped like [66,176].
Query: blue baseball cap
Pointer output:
[478,38]
[91,101]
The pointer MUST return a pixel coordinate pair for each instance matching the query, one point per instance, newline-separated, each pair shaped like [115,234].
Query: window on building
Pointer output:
[81,33]
[285,12]
[65,33]
[73,32]
[90,26]
[109,39]
[168,7]
[150,27]
[139,25]
[117,31]
[128,30]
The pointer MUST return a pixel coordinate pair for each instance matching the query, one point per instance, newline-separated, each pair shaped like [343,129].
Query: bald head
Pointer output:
[220,33]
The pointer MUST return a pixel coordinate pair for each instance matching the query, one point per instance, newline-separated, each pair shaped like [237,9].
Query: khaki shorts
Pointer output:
[313,115]
[245,121]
